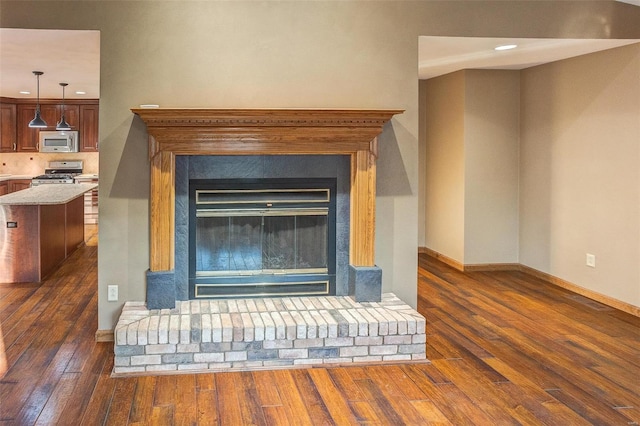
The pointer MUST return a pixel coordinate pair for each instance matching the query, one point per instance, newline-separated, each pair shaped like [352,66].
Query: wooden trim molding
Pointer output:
[32,101]
[598,297]
[442,258]
[198,131]
[104,336]
[488,267]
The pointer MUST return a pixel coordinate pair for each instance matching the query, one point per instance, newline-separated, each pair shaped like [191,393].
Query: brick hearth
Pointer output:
[246,334]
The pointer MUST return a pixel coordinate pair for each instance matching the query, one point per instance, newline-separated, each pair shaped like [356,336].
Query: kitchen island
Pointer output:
[39,228]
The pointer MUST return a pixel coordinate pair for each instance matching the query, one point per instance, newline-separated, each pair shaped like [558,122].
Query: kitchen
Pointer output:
[53,76]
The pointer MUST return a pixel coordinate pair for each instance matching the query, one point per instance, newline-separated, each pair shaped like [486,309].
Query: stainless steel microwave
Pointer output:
[58,141]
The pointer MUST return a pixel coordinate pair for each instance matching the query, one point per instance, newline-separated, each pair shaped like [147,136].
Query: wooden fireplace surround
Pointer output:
[187,131]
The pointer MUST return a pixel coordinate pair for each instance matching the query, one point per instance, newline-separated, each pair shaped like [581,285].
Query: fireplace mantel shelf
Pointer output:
[200,131]
[197,131]
[204,117]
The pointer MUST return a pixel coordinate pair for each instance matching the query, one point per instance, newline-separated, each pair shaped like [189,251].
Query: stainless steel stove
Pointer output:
[59,172]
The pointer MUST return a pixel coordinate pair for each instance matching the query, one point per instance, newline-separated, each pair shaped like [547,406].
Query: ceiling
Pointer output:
[442,55]
[71,57]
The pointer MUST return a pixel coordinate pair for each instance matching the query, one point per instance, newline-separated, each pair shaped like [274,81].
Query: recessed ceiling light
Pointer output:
[506,47]
[80,92]
[25,92]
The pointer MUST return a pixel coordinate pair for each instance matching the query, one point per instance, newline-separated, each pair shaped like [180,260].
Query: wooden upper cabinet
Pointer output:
[50,114]
[81,116]
[27,137]
[89,127]
[8,141]
[71,115]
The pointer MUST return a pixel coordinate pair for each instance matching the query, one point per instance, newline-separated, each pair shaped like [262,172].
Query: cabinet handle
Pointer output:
[14,146]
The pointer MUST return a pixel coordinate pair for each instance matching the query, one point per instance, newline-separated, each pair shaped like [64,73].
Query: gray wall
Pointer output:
[491,146]
[580,171]
[472,133]
[444,159]
[539,167]
[279,54]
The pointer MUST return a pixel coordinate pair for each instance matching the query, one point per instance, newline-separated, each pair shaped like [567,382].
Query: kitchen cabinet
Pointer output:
[71,115]
[27,136]
[89,128]
[4,188]
[8,141]
[19,184]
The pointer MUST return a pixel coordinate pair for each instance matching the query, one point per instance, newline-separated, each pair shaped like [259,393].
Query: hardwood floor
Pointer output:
[505,348]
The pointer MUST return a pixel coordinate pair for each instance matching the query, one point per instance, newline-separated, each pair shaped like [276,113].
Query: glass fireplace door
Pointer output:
[249,242]
[258,242]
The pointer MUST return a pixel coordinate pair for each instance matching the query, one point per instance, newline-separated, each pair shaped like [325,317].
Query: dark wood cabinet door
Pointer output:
[4,188]
[50,114]
[19,184]
[27,137]
[88,127]
[71,115]
[8,141]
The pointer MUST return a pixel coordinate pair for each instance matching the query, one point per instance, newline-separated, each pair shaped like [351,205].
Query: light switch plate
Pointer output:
[112,293]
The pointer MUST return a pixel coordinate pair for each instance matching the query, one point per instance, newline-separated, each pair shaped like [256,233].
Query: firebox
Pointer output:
[262,237]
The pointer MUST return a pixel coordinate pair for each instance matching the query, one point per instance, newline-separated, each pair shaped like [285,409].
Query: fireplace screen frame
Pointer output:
[266,197]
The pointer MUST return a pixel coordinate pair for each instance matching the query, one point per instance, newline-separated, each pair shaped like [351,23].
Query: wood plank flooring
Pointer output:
[505,348]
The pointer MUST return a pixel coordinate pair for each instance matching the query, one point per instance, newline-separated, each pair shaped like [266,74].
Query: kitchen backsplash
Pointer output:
[33,164]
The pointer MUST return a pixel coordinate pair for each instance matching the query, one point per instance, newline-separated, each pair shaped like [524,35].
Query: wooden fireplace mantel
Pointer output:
[196,131]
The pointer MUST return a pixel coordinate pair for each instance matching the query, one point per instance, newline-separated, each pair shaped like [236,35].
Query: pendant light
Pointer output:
[37,121]
[62,124]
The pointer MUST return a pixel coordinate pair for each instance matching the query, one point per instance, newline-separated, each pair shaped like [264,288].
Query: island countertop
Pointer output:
[55,193]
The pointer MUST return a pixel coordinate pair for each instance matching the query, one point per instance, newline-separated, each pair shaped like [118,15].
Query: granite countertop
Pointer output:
[13,177]
[87,176]
[54,193]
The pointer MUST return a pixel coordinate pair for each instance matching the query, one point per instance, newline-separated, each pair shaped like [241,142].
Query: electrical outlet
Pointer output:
[112,293]
[591,260]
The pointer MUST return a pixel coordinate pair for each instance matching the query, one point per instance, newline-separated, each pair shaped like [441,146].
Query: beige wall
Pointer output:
[279,54]
[580,171]
[471,131]
[444,164]
[491,138]
[550,162]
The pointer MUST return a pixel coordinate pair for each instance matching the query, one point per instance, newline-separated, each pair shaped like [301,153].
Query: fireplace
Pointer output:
[262,238]
[261,244]
[186,145]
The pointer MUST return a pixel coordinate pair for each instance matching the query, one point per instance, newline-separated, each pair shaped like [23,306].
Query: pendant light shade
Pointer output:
[37,121]
[62,124]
